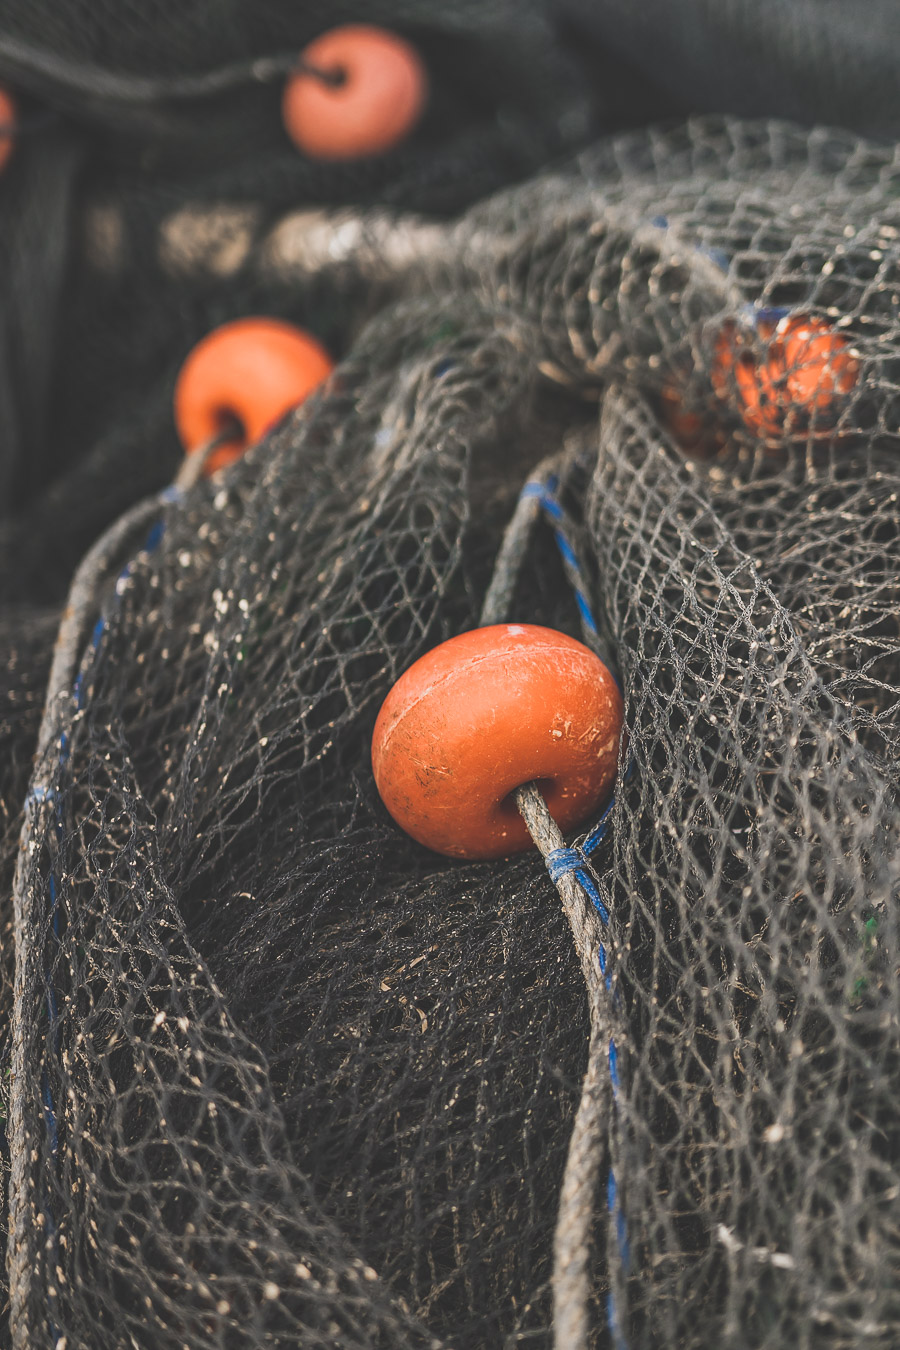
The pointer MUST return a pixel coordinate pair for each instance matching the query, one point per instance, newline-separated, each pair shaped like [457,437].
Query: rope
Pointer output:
[588,1148]
[543,491]
[570,871]
[66,697]
[33,68]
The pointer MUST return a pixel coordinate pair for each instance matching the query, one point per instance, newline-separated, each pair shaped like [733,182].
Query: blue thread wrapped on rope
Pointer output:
[563,860]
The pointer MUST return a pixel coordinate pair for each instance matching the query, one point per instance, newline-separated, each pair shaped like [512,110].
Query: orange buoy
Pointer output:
[248,374]
[374,100]
[797,384]
[7,122]
[485,713]
[814,362]
[736,372]
[691,432]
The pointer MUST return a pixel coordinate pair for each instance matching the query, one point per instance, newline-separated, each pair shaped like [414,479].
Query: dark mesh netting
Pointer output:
[276,1075]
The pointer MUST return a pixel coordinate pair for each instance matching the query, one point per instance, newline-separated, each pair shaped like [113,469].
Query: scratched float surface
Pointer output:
[293,1080]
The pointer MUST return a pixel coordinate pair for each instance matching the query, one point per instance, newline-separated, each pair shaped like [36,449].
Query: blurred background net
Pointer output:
[282,1076]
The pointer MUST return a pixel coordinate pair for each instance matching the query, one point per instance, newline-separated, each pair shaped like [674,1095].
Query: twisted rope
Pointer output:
[572,875]
[43,818]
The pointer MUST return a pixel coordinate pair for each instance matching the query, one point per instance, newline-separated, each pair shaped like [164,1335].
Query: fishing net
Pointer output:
[277,1075]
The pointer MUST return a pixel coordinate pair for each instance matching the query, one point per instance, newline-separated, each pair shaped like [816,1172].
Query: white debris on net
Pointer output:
[732,1244]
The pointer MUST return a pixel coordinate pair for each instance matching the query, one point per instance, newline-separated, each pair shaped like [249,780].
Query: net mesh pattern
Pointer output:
[282,1077]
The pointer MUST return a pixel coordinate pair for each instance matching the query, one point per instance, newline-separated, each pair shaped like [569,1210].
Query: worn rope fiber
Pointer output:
[570,872]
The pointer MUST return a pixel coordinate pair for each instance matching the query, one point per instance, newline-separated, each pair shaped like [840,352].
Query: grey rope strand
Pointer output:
[516,540]
[58,709]
[587,1144]
[97,567]
[35,67]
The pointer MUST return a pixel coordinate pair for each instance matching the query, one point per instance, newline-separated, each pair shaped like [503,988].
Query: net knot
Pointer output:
[563,861]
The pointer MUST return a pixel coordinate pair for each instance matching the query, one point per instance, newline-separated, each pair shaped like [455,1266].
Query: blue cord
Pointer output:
[563,534]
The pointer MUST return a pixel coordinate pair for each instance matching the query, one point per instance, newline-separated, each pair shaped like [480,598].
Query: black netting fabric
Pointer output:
[272,1073]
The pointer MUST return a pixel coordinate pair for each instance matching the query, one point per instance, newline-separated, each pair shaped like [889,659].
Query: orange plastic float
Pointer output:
[7,120]
[736,370]
[483,714]
[246,374]
[815,363]
[692,433]
[374,98]
[808,368]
